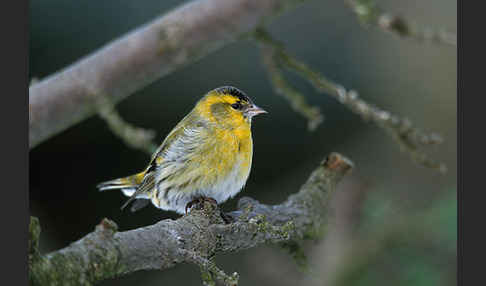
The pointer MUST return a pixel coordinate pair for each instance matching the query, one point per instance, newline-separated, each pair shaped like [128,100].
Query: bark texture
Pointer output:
[137,59]
[194,238]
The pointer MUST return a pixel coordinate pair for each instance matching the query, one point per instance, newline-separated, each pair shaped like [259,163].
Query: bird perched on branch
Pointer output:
[207,156]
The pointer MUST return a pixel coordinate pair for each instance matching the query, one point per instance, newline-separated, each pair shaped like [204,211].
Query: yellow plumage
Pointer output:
[207,155]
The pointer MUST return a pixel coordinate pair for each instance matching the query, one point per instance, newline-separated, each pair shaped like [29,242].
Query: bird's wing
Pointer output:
[186,131]
[181,142]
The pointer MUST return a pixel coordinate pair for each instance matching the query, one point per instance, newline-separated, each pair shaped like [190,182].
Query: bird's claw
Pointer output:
[199,201]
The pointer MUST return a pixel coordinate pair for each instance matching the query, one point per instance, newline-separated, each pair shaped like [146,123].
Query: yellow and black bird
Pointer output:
[208,155]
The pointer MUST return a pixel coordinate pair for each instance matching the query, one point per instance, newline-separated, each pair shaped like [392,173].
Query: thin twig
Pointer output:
[282,87]
[296,250]
[135,137]
[410,138]
[211,272]
[370,14]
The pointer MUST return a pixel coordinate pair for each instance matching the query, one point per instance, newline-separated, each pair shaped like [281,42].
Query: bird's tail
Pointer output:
[127,185]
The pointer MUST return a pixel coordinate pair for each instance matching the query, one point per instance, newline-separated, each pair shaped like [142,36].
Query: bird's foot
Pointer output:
[199,203]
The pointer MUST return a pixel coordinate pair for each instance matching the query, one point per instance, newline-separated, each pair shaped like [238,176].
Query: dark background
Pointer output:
[408,78]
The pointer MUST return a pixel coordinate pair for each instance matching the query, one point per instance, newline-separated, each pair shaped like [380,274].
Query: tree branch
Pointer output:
[409,137]
[370,14]
[132,136]
[294,97]
[194,238]
[137,59]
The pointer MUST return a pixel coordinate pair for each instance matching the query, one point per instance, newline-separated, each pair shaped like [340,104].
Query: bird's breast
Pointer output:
[232,149]
[245,150]
[230,164]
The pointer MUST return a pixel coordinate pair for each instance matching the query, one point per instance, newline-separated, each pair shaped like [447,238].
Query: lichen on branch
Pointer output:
[194,238]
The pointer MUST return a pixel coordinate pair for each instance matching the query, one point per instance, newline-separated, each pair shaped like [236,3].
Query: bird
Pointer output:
[206,156]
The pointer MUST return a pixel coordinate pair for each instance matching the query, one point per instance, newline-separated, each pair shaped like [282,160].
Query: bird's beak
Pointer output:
[254,110]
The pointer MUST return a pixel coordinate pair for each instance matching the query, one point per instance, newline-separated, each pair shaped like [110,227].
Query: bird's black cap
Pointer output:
[233,91]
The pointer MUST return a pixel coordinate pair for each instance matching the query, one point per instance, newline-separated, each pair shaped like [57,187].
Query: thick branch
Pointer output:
[193,238]
[137,59]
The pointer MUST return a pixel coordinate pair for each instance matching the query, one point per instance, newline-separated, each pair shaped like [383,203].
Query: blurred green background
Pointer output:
[392,222]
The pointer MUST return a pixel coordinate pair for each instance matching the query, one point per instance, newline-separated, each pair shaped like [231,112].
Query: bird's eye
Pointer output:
[236,105]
